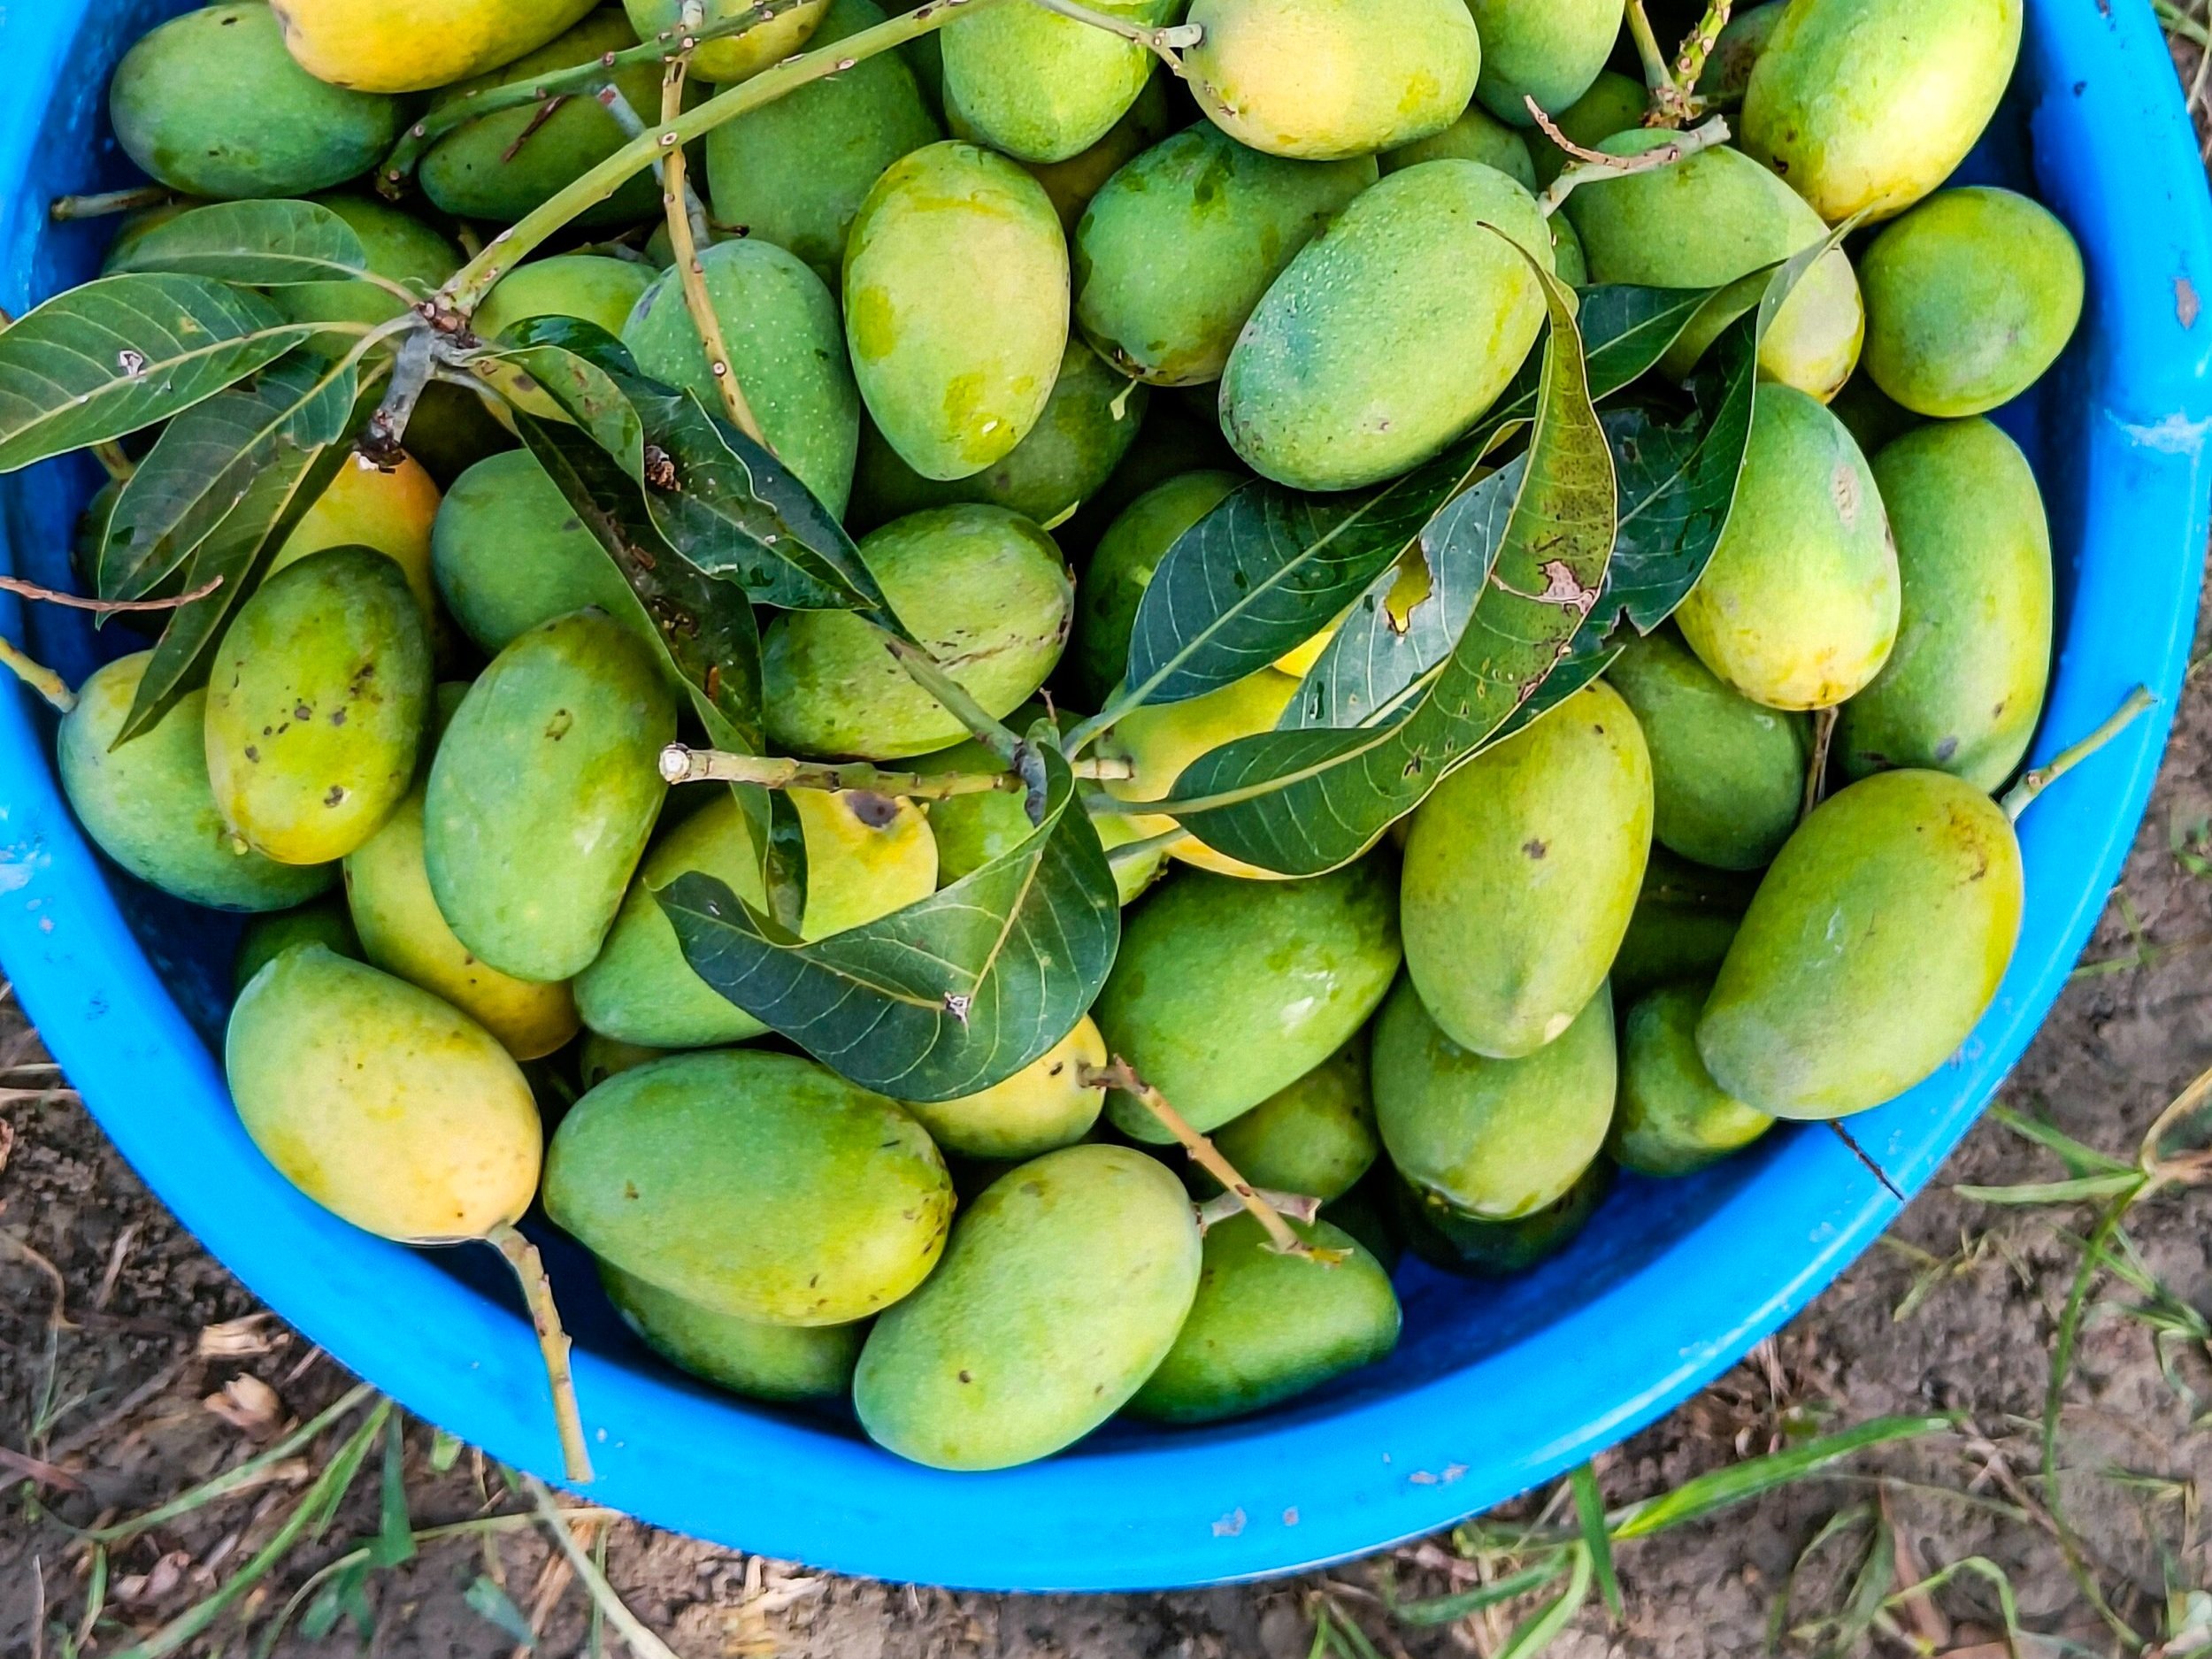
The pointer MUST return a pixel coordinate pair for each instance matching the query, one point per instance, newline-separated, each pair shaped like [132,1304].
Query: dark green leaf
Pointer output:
[575,363]
[264,244]
[1626,330]
[1756,1476]
[782,838]
[945,997]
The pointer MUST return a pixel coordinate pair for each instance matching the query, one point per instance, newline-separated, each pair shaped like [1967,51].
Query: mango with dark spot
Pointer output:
[754,1184]
[1040,86]
[1120,569]
[1875,943]
[269,936]
[1315,1136]
[599,1059]
[1044,1106]
[1551,50]
[1062,1290]
[1673,1118]
[772,37]
[1685,917]
[1475,1249]
[747,1356]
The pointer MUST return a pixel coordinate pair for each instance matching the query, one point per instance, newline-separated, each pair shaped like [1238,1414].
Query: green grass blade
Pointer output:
[1590,1512]
[1449,1610]
[2079,1190]
[1738,1483]
[2079,1158]
[1541,1629]
[395,1530]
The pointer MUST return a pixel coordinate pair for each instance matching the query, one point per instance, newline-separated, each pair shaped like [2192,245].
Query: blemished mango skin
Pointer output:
[1798,609]
[866,857]
[1266,1327]
[1475,1249]
[267,937]
[1391,333]
[1684,919]
[210,103]
[1324,80]
[755,1184]
[1864,106]
[380,1103]
[1041,1108]
[955,288]
[392,512]
[151,809]
[1062,1290]
[983,590]
[1497,1140]
[1551,50]
[400,248]
[1157,742]
[1727,774]
[1521,871]
[1673,1118]
[787,350]
[1226,991]
[1039,86]
[1120,569]
[1315,1136]
[1614,103]
[1176,251]
[1875,943]
[1964,689]
[562,733]
[315,706]
[795,172]
[413,45]
[741,57]
[1970,297]
[1476,136]
[747,1356]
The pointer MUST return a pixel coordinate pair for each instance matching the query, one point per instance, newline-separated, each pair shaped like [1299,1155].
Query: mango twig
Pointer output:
[680,765]
[643,1643]
[1697,46]
[1657,77]
[37,676]
[1226,1206]
[106,607]
[1163,43]
[537,1291]
[66,208]
[2021,795]
[1593,165]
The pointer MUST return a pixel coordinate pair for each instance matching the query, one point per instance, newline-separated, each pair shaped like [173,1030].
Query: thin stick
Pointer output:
[71,207]
[1817,765]
[37,676]
[106,607]
[1136,852]
[2021,795]
[114,463]
[680,765]
[537,1291]
[1164,43]
[1655,61]
[925,670]
[675,195]
[1860,1153]
[1600,166]
[634,1631]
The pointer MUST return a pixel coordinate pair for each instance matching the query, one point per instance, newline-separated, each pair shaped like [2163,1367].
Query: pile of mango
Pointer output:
[1022,307]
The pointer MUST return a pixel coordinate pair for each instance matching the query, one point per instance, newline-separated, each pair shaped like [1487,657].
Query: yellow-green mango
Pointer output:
[1713,218]
[400,248]
[267,937]
[1727,774]
[1072,184]
[984,590]
[1521,871]
[1040,86]
[955,289]
[1226,991]
[1673,1118]
[1570,265]
[1113,583]
[1969,297]
[1727,73]
[392,512]
[413,45]
[1476,1249]
[380,1103]
[795,172]
[1044,1106]
[1315,1136]
[1686,917]
[544,789]
[315,706]
[755,1184]
[1266,1327]
[593,287]
[149,805]
[1864,106]
[866,857]
[1390,335]
[1159,742]
[1798,609]
[746,1356]
[1875,943]
[1476,136]
[210,103]
[741,57]
[403,932]
[1497,1140]
[500,167]
[1061,1292]
[1614,103]
[1176,251]
[1322,80]
[971,829]
[1551,50]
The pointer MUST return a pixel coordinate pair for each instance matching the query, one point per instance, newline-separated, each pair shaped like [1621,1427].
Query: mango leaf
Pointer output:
[105,359]
[263,244]
[1626,330]
[574,362]
[945,997]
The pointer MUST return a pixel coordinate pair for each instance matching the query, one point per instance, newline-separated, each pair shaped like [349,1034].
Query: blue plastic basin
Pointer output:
[1495,1388]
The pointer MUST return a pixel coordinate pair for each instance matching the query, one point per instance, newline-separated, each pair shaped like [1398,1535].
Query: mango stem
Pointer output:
[1163,43]
[2021,795]
[1816,765]
[38,677]
[66,208]
[1689,68]
[682,764]
[1657,78]
[683,239]
[1226,1206]
[926,672]
[1595,163]
[545,1317]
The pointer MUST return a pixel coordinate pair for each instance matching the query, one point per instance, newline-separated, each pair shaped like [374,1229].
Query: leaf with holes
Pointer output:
[262,244]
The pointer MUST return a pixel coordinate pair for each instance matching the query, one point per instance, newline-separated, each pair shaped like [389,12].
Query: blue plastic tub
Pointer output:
[1495,1388]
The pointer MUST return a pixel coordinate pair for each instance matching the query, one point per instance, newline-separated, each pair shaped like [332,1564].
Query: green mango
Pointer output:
[453,429]
[1476,136]
[1496,1140]
[1727,774]
[564,728]
[1521,870]
[591,286]
[1714,218]
[400,248]
[1872,947]
[1569,264]
[267,937]
[1476,1249]
[498,168]
[1089,422]
[1551,50]
[1113,583]
[212,103]
[599,1059]
[1325,79]
[315,706]
[1964,689]
[1614,103]
[1866,105]
[1798,609]
[1673,1118]
[774,34]
[1226,991]
[380,1103]
[746,1356]
[1044,1106]
[983,590]
[1159,741]
[150,807]
[1062,1290]
[1684,919]
[1315,1136]
[1073,183]
[780,326]
[1176,251]
[1970,297]
[956,306]
[1266,1327]
[755,1184]
[971,829]
[1727,73]
[1388,337]
[794,173]
[1040,86]
[866,857]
